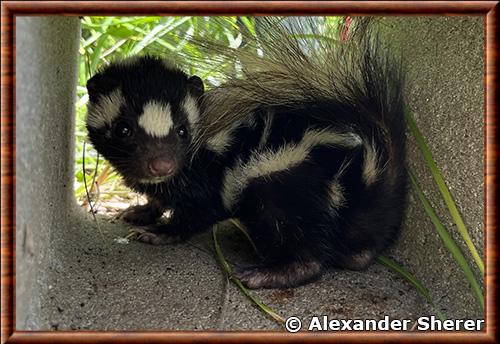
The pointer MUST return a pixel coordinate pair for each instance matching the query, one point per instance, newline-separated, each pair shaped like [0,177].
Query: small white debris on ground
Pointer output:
[121,241]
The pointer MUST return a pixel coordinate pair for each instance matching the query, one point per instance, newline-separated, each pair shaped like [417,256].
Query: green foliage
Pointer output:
[105,39]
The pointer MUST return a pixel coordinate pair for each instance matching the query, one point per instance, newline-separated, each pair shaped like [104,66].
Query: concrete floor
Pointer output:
[70,275]
[104,285]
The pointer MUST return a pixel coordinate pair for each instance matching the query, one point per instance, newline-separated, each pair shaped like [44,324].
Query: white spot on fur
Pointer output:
[343,167]
[371,170]
[153,180]
[191,109]
[156,119]
[336,194]
[106,110]
[268,123]
[266,162]
[220,142]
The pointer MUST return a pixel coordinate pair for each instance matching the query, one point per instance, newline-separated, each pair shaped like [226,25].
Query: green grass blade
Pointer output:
[149,37]
[237,224]
[249,24]
[405,274]
[449,242]
[95,58]
[445,192]
[229,272]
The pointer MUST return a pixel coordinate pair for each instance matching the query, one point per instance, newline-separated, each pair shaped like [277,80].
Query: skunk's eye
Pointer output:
[122,130]
[182,132]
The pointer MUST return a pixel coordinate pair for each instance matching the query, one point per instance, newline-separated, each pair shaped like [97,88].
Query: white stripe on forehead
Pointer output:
[156,119]
[191,109]
[106,110]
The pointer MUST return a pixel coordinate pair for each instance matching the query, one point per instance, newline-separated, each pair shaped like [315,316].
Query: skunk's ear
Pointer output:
[99,85]
[196,86]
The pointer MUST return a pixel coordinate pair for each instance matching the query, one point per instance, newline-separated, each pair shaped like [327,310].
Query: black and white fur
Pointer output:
[306,149]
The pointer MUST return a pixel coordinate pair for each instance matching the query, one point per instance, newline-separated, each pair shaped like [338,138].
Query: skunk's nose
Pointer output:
[160,167]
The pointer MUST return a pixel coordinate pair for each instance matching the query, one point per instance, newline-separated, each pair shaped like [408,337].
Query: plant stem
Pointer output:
[229,273]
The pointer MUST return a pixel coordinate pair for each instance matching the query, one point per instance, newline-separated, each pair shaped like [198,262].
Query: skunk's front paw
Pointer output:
[154,235]
[140,215]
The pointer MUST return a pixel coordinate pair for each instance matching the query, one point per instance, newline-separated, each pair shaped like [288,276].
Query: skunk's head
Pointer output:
[141,116]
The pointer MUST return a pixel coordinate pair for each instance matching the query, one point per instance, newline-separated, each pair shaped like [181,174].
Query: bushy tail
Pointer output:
[296,62]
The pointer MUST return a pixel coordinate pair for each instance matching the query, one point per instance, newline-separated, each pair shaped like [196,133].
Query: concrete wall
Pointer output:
[446,94]
[46,69]
[71,277]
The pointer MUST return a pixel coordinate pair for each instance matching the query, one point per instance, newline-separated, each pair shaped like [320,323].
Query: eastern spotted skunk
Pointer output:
[305,146]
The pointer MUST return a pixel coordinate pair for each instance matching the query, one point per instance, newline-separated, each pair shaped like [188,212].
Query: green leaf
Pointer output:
[249,24]
[95,57]
[121,32]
